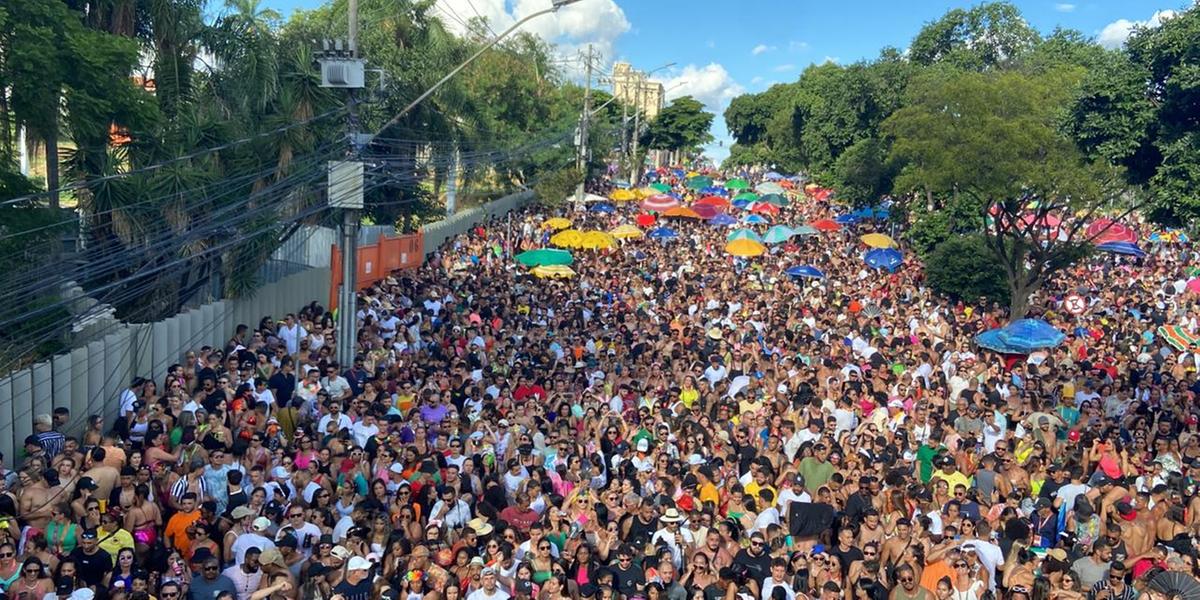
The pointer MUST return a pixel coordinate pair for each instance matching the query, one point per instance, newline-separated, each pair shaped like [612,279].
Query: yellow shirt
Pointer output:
[689,397]
[953,479]
[709,493]
[753,488]
[114,542]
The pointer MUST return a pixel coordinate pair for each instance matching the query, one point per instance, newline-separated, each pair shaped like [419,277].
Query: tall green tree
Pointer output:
[986,36]
[681,125]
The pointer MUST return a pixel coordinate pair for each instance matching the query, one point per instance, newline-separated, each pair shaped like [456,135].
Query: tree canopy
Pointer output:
[681,125]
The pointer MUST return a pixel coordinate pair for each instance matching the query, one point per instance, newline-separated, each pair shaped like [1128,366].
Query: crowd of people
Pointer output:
[671,423]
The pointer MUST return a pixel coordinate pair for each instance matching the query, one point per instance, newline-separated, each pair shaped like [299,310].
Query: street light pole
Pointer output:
[635,164]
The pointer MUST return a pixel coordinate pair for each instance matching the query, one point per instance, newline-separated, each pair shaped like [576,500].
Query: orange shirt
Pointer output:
[934,573]
[177,530]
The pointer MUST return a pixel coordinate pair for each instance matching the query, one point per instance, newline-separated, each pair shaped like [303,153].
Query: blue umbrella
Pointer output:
[756,219]
[1128,248]
[773,176]
[678,172]
[742,204]
[713,190]
[722,219]
[662,233]
[877,212]
[849,219]
[805,230]
[744,234]
[778,234]
[884,258]
[651,176]
[805,271]
[602,207]
[1021,337]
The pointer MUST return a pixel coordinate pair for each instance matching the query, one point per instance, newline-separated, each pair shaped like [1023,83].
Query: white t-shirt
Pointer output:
[481,594]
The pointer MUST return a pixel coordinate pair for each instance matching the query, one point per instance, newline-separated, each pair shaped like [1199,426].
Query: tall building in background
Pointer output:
[632,88]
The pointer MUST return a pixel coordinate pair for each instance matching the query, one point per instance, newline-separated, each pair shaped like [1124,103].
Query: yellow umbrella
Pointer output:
[626,232]
[623,195]
[745,247]
[556,223]
[595,240]
[878,240]
[553,271]
[567,238]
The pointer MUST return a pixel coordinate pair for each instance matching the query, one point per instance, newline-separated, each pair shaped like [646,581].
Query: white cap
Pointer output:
[261,524]
[358,563]
[643,445]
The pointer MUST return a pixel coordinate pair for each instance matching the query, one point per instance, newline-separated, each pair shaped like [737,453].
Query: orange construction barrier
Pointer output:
[377,261]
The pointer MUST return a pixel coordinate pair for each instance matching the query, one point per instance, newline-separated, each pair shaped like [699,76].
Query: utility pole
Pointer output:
[452,184]
[584,124]
[341,67]
[634,167]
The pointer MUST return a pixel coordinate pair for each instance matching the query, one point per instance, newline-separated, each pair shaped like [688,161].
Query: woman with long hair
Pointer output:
[35,582]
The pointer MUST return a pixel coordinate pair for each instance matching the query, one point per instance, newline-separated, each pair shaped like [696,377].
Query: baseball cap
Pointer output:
[261,524]
[358,563]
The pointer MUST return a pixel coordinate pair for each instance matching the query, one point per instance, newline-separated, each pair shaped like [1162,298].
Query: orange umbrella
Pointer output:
[713,201]
[681,211]
[826,225]
[745,247]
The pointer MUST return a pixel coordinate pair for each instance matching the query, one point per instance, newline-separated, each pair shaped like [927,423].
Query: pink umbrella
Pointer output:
[1105,230]
[706,211]
[1194,285]
[659,203]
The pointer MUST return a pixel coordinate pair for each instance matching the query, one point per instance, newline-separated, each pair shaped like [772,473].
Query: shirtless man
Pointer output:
[106,477]
[871,530]
[718,556]
[34,502]
[1135,531]
[894,548]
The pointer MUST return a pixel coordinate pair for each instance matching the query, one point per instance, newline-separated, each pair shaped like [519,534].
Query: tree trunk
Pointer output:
[52,167]
[1018,304]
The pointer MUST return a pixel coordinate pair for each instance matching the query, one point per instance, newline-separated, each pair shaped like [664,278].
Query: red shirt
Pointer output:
[522,520]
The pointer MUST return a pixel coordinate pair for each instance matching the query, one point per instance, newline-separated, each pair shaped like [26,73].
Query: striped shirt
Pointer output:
[52,442]
[183,486]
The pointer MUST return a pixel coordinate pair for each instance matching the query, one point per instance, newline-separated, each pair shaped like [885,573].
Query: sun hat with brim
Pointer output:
[671,515]
[480,527]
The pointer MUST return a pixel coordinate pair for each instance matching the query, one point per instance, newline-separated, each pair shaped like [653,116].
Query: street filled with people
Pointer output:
[713,386]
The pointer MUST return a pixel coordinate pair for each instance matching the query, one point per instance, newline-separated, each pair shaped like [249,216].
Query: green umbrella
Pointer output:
[544,257]
[744,234]
[737,184]
[747,196]
[660,187]
[776,199]
[769,187]
[699,182]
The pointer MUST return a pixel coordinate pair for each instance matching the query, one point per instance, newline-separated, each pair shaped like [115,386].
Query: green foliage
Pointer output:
[863,173]
[553,188]
[986,36]
[931,227]
[963,267]
[1138,110]
[681,125]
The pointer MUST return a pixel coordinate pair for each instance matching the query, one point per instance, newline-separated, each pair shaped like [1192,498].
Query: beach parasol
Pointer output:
[602,207]
[769,187]
[713,190]
[712,201]
[556,223]
[646,220]
[756,220]
[745,248]
[826,225]
[623,195]
[626,232]
[543,257]
[567,238]
[884,258]
[774,199]
[846,219]
[1177,336]
[772,176]
[1127,248]
[722,219]
[682,212]
[553,272]
[706,211]
[597,240]
[698,183]
[763,208]
[878,240]
[1021,337]
[1105,230]
[743,234]
[805,230]
[660,187]
[747,196]
[805,271]
[737,184]
[778,234]
[662,233]
[659,203]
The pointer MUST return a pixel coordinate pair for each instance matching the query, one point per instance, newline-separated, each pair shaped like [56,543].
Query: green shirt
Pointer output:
[815,472]
[925,456]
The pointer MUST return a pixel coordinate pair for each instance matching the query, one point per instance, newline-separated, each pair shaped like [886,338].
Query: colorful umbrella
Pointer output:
[623,195]
[846,219]
[743,234]
[544,257]
[556,223]
[660,187]
[1177,337]
[805,271]
[662,233]
[747,196]
[778,234]
[723,219]
[756,220]
[682,212]
[805,230]
[698,183]
[769,187]
[737,184]
[602,207]
[763,208]
[1126,248]
[826,225]
[774,199]
[626,232]
[713,190]
[871,213]
[745,248]
[646,220]
[772,176]
[884,258]
[742,204]
[706,211]
[879,240]
[597,240]
[567,238]
[1021,337]
[659,203]
[1193,286]
[712,201]
[553,272]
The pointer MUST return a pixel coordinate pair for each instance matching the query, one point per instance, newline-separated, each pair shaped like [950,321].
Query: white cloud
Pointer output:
[1064,7]
[761,48]
[572,28]
[713,86]
[1114,34]
[797,46]
[830,59]
[756,80]
[784,68]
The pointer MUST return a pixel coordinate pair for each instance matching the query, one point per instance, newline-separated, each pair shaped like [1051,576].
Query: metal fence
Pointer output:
[89,379]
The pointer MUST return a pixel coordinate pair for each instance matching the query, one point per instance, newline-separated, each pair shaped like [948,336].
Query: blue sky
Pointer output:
[723,48]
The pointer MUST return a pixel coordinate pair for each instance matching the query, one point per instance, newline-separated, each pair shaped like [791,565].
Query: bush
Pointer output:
[553,188]
[963,268]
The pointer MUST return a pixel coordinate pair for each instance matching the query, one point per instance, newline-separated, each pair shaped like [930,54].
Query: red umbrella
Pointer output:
[645,220]
[659,203]
[706,211]
[826,225]
[1105,230]
[763,208]
[716,201]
